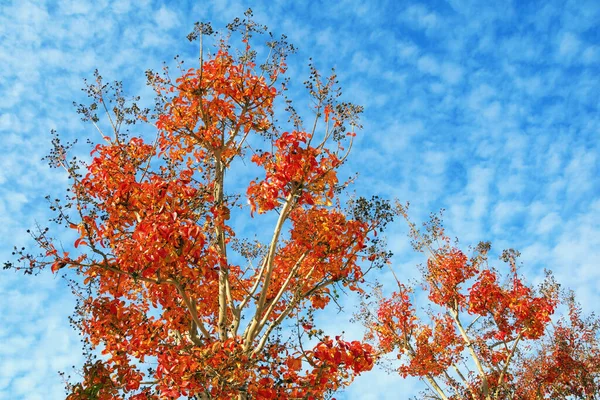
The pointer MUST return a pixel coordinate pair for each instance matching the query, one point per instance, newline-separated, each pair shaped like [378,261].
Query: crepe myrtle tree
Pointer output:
[178,303]
[485,334]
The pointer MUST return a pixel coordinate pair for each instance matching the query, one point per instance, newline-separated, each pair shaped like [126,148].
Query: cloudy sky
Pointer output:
[486,109]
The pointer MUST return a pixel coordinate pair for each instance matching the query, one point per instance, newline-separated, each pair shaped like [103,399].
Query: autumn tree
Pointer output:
[485,334]
[178,302]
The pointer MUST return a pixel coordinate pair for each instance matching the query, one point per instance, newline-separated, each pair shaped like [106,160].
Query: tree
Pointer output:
[486,335]
[161,275]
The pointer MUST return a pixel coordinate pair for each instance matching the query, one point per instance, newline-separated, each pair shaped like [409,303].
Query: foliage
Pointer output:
[487,335]
[164,280]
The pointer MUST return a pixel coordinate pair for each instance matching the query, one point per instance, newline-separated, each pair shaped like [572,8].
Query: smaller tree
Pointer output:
[487,335]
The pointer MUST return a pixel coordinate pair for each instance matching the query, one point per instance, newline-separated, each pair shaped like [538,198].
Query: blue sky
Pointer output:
[489,110]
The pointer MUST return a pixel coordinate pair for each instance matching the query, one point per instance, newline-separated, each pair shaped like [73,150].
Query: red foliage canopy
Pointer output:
[167,282]
[491,335]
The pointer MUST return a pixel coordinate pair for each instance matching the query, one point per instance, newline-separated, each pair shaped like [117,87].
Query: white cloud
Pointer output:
[121,6]
[505,212]
[580,173]
[480,95]
[492,111]
[166,18]
[13,95]
[70,7]
[153,39]
[591,55]
[429,65]
[399,135]
[407,50]
[7,121]
[511,184]
[548,224]
[364,64]
[451,73]
[435,161]
[568,46]
[521,47]
[419,16]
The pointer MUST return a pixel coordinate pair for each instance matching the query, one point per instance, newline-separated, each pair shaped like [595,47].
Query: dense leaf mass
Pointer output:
[166,283]
[487,335]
